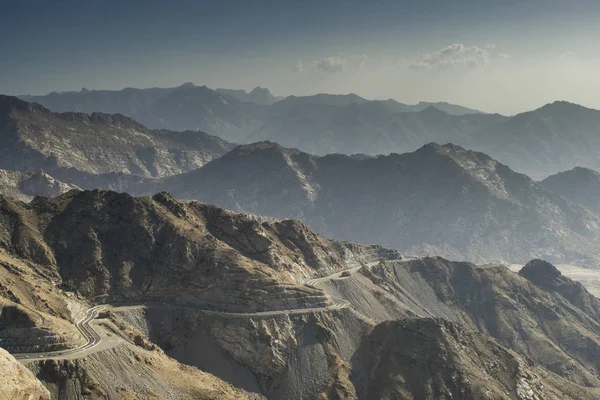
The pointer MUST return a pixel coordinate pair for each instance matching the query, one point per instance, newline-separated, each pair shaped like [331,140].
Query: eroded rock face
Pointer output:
[17,382]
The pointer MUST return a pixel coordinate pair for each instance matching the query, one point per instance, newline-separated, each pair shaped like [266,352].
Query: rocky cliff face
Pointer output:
[133,373]
[435,359]
[438,200]
[17,382]
[77,148]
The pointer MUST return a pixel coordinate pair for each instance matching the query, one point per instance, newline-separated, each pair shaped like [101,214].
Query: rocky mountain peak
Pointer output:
[580,185]
[116,120]
[538,271]
[547,277]
[562,108]
[580,174]
[264,145]
[10,103]
[433,111]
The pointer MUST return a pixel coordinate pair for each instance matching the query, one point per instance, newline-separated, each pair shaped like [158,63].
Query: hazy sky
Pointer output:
[496,55]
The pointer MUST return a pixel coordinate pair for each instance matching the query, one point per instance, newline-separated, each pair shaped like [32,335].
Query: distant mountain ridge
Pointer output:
[553,138]
[186,107]
[230,114]
[25,186]
[580,185]
[550,139]
[440,199]
[79,148]
[257,95]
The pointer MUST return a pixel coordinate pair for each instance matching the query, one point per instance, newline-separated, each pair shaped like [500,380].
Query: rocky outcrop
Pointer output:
[546,276]
[17,382]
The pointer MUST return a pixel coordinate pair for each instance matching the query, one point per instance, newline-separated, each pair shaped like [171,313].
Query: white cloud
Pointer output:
[457,56]
[568,54]
[333,64]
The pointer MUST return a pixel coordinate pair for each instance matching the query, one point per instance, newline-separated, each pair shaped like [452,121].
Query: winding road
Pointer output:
[93,338]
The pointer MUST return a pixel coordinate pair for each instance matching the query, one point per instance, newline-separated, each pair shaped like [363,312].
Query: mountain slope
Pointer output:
[440,199]
[74,147]
[141,248]
[434,359]
[25,186]
[464,330]
[553,138]
[580,185]
[452,109]
[546,325]
[318,124]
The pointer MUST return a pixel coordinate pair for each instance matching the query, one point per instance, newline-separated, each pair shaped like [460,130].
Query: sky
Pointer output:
[503,56]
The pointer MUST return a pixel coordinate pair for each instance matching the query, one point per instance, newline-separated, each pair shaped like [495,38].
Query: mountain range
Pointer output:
[248,306]
[440,199]
[553,138]
[186,284]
